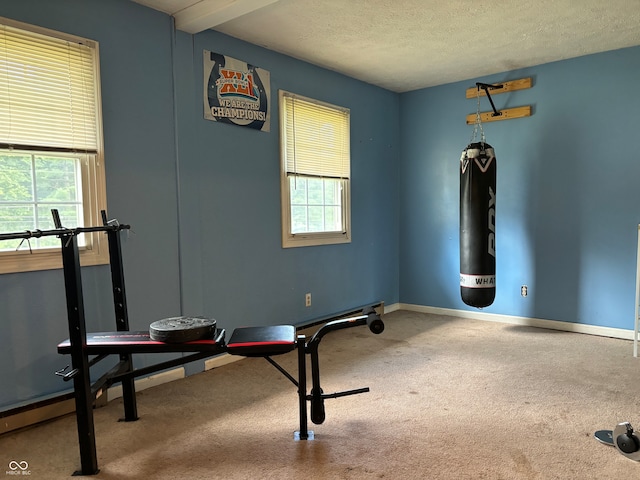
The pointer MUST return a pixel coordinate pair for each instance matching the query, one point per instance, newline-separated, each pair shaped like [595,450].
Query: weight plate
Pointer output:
[621,429]
[182,329]
[604,436]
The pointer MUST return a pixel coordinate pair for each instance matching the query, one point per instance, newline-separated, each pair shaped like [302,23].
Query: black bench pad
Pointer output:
[262,341]
[140,342]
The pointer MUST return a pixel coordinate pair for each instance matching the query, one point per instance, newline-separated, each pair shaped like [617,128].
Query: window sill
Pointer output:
[314,239]
[49,259]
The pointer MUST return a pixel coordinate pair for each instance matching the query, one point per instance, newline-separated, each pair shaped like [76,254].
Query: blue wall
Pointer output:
[203,198]
[204,202]
[568,196]
[230,199]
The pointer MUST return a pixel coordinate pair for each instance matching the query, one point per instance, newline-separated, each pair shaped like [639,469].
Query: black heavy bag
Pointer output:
[478,225]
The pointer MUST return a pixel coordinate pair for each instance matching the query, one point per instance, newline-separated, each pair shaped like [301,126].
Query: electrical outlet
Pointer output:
[524,290]
[307,300]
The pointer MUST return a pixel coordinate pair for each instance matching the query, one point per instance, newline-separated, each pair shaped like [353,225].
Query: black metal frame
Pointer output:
[317,396]
[486,87]
[86,392]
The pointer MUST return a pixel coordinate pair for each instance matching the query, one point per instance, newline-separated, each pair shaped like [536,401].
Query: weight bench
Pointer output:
[260,341]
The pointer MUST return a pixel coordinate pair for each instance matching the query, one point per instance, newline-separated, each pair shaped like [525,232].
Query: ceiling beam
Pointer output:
[209,13]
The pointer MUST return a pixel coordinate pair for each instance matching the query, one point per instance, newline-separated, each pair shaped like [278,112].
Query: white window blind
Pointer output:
[47,92]
[316,140]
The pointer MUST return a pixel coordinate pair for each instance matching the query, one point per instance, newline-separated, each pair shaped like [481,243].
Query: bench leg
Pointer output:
[304,433]
[122,317]
[84,420]
[129,392]
[79,358]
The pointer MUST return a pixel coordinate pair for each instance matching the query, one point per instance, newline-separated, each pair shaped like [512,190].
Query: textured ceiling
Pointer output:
[404,45]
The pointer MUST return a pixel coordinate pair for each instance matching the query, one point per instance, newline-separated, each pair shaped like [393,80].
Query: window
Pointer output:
[50,144]
[315,172]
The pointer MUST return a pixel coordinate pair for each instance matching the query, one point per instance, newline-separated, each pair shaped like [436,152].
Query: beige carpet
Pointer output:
[450,399]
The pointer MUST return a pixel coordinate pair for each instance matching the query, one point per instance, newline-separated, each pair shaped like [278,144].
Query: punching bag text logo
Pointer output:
[492,222]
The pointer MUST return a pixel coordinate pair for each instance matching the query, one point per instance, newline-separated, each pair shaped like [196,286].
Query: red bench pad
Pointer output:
[262,341]
[141,342]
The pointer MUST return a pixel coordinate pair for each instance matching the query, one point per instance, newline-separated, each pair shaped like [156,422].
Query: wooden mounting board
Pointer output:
[520,84]
[506,114]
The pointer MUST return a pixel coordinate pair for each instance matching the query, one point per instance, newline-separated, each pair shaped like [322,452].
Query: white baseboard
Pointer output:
[39,414]
[392,308]
[148,382]
[524,321]
[221,360]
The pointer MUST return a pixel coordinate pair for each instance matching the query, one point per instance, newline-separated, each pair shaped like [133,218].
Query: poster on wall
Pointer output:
[236,92]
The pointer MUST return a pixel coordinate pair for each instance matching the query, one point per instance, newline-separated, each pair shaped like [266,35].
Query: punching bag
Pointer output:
[477,225]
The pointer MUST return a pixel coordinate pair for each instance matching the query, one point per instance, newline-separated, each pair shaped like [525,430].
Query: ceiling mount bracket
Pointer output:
[486,87]
[482,89]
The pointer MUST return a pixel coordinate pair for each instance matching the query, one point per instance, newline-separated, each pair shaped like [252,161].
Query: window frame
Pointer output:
[94,197]
[307,239]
